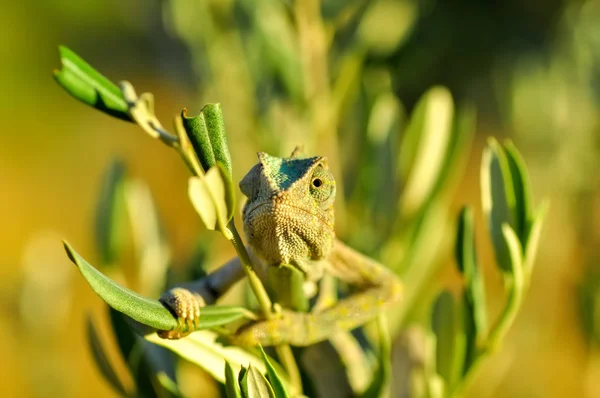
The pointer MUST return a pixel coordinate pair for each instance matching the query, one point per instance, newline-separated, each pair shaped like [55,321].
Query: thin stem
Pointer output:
[163,135]
[284,352]
[255,284]
[509,314]
[286,356]
[515,284]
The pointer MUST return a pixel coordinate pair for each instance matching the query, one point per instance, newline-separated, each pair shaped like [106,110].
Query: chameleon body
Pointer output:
[289,219]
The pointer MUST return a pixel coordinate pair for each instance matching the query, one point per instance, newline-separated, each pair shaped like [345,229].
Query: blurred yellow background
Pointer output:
[532,70]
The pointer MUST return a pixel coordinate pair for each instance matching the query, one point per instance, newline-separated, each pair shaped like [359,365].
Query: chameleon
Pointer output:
[288,221]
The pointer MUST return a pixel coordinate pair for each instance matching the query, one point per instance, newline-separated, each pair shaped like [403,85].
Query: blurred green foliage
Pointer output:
[530,68]
[433,152]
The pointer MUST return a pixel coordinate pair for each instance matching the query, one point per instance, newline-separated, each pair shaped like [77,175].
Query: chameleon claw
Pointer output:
[185,305]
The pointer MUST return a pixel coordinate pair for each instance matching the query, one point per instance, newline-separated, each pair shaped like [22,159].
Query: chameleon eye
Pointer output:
[322,187]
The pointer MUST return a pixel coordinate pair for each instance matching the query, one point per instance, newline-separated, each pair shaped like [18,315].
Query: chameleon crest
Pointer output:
[289,217]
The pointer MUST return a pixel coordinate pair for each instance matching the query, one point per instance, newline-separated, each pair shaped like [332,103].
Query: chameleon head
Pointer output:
[288,217]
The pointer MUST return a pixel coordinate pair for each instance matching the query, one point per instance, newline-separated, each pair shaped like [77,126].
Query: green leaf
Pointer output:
[469,348]
[110,214]
[533,238]
[273,377]
[136,353]
[466,258]
[207,134]
[203,349]
[242,373]
[207,194]
[102,360]
[444,326]
[286,287]
[144,310]
[522,190]
[457,154]
[152,249]
[208,137]
[498,199]
[231,382]
[380,382]
[516,258]
[87,85]
[255,385]
[126,339]
[432,123]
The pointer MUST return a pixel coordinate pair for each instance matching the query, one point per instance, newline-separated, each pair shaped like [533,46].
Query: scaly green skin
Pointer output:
[289,219]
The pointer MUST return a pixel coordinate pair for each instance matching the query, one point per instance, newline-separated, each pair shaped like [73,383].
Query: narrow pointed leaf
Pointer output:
[207,134]
[516,256]
[125,337]
[255,385]
[89,86]
[242,373]
[443,325]
[207,194]
[498,199]
[144,360]
[466,258]
[469,353]
[144,310]
[232,387]
[102,360]
[434,122]
[152,249]
[273,377]
[522,189]
[457,154]
[533,238]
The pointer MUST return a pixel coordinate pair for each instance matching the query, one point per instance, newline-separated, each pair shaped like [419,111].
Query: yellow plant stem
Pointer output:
[255,283]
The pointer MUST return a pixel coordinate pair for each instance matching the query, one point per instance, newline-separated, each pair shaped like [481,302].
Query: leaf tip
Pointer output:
[63,50]
[69,251]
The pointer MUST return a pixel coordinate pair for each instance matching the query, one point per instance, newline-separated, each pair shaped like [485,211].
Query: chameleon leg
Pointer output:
[377,288]
[185,305]
[186,300]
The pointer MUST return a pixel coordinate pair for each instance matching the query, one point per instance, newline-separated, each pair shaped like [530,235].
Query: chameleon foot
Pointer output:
[185,305]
